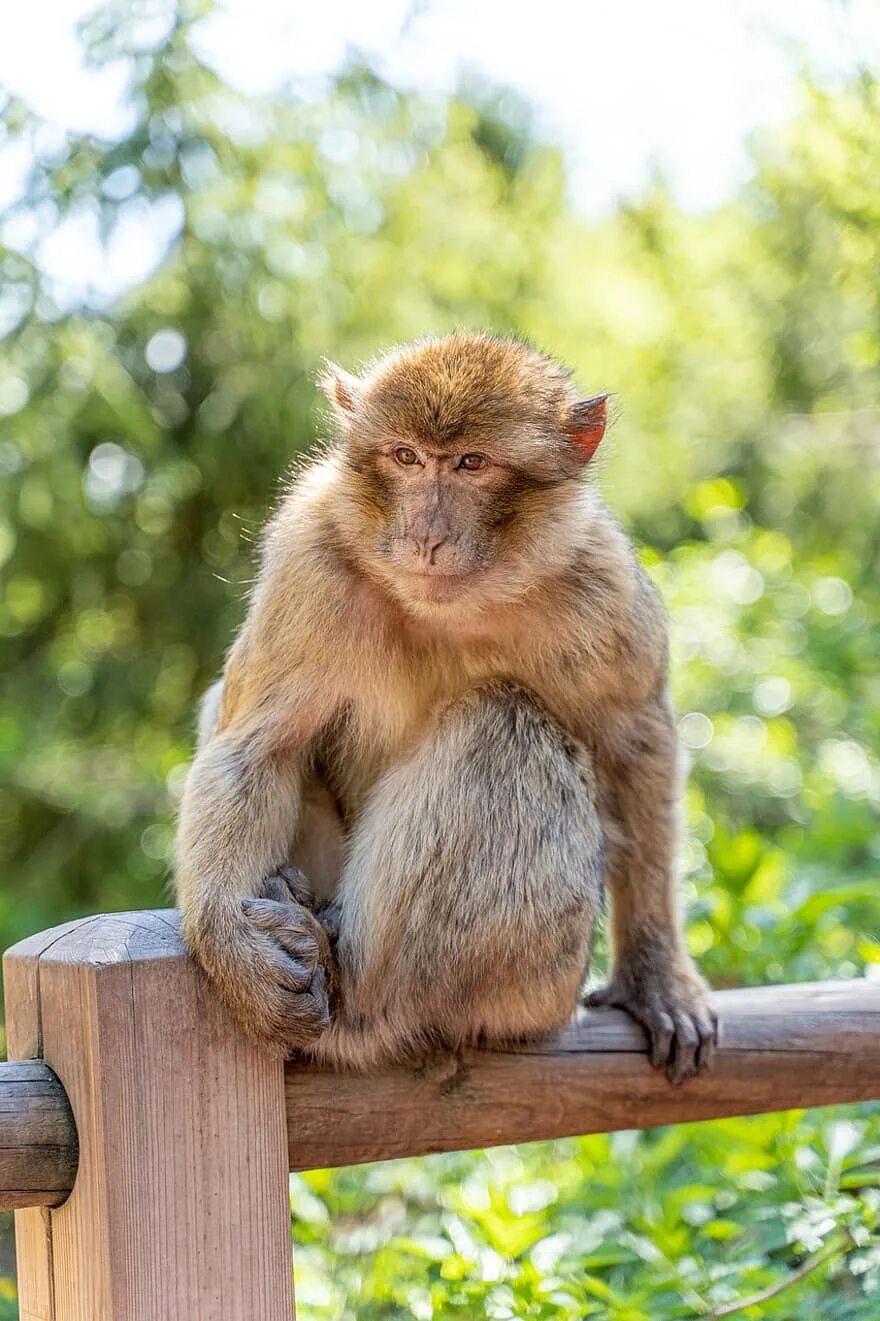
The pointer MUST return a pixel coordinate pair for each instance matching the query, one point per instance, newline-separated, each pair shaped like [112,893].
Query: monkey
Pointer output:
[443,728]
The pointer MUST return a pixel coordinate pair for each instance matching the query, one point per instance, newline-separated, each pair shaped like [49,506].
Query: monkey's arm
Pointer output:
[238,817]
[653,975]
[637,756]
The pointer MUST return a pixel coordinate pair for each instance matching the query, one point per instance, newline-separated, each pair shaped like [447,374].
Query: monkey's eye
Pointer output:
[472,462]
[404,455]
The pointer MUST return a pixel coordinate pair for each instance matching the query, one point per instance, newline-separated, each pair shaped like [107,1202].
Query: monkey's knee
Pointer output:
[496,793]
[513,754]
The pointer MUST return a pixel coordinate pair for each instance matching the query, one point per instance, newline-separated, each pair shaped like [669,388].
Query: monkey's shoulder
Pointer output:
[610,626]
[304,558]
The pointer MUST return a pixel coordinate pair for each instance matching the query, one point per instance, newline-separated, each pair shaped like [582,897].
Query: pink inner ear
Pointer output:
[586,424]
[587,440]
[345,393]
[341,388]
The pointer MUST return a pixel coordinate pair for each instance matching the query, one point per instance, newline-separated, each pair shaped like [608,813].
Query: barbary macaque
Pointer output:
[443,723]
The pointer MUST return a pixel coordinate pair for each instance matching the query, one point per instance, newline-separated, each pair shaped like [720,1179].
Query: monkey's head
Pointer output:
[462,458]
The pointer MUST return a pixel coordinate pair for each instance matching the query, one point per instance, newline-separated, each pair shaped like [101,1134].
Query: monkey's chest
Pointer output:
[371,736]
[397,709]
[358,749]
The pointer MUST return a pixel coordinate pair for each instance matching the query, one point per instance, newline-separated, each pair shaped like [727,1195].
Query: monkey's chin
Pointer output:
[437,596]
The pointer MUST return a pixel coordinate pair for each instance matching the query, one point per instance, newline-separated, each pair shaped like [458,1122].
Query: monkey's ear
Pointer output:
[341,388]
[585,424]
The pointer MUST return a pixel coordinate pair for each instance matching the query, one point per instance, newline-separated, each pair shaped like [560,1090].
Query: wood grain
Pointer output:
[38,1147]
[186,1130]
[180,1205]
[780,1047]
[24,1041]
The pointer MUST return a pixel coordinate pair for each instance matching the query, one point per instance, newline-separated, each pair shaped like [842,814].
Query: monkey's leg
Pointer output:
[472,886]
[653,975]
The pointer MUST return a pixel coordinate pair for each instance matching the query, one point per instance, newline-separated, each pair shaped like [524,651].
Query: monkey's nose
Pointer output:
[427,548]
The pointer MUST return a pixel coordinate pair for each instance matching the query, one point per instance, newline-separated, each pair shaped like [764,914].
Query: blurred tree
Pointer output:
[144,435]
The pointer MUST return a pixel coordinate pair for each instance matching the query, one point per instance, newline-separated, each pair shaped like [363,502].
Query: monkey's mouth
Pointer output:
[435,584]
[437,574]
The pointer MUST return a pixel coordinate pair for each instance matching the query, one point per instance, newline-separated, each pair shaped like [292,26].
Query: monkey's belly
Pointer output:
[319,849]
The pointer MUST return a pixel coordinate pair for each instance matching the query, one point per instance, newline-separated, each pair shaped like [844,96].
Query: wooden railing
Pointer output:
[145,1143]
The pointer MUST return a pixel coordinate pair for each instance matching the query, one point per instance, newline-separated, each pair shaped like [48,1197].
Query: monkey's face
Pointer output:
[444,514]
[458,453]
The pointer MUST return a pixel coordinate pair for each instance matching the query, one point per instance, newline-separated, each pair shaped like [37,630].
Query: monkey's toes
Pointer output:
[288,885]
[680,1025]
[691,1046]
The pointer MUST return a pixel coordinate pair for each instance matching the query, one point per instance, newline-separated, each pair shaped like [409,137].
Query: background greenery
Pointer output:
[142,438]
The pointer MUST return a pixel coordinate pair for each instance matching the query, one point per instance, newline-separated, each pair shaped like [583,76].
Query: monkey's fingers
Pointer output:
[307,1014]
[273,968]
[288,1006]
[302,960]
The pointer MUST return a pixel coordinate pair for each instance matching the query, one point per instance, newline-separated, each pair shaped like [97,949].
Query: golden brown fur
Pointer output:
[448,703]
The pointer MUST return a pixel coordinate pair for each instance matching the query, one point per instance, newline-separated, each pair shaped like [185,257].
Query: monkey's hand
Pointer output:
[273,966]
[668,997]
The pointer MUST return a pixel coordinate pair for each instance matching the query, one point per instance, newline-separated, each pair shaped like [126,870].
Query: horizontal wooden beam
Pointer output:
[780,1047]
[38,1148]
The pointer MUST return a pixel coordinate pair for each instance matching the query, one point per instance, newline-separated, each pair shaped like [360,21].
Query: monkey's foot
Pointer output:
[288,885]
[672,1006]
[330,917]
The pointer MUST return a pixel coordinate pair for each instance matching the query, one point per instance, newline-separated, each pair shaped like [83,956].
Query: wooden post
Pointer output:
[180,1206]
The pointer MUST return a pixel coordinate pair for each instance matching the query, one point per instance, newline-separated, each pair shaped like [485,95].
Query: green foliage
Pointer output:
[142,438]
[673,1224]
